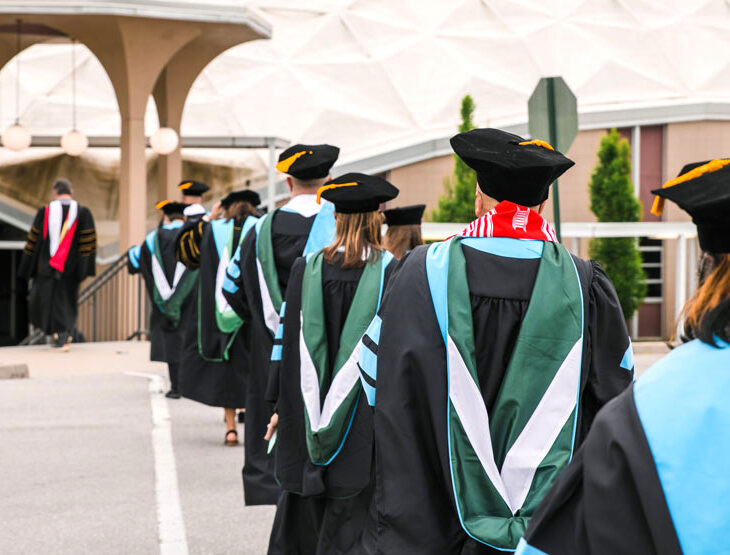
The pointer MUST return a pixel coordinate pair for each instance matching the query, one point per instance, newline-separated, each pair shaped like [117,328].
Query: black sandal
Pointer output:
[231,443]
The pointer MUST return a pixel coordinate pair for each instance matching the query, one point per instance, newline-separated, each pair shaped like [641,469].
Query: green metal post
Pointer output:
[553,126]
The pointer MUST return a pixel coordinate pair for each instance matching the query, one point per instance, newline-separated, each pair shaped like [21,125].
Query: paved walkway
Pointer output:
[78,463]
[91,463]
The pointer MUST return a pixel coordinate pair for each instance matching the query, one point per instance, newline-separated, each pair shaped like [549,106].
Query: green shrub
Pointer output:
[613,200]
[457,202]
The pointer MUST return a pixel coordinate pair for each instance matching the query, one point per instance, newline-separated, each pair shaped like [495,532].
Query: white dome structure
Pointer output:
[375,76]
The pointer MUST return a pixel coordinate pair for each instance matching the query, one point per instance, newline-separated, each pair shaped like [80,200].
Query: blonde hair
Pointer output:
[399,239]
[358,233]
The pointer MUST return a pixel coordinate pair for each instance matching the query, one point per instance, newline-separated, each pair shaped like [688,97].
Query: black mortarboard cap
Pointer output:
[702,190]
[246,195]
[170,207]
[308,161]
[193,188]
[509,167]
[357,192]
[404,215]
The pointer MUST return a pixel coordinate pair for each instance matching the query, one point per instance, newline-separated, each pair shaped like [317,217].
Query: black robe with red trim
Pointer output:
[53,300]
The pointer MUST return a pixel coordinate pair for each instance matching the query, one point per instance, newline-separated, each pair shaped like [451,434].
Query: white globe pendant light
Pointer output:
[164,140]
[16,137]
[74,143]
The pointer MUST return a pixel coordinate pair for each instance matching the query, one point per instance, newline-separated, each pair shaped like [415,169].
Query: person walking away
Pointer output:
[192,197]
[258,277]
[59,254]
[324,450]
[491,354]
[215,361]
[169,284]
[404,229]
[652,475]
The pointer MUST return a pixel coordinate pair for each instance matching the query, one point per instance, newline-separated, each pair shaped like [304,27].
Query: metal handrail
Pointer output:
[99,281]
[109,299]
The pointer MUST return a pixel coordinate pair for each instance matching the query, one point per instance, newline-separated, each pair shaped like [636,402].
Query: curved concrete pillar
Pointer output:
[136,47]
[171,92]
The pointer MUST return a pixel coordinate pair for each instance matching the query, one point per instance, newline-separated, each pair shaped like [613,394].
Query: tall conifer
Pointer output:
[613,200]
[457,202]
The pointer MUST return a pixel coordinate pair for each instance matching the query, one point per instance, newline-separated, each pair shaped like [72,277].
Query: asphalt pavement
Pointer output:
[77,461]
[94,459]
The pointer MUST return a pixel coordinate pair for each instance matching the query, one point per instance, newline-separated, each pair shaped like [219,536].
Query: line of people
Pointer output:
[430,399]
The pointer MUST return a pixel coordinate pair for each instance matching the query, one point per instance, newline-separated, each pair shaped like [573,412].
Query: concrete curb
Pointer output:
[13,371]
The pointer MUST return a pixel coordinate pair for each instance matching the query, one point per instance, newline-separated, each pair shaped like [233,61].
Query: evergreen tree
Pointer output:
[613,200]
[457,202]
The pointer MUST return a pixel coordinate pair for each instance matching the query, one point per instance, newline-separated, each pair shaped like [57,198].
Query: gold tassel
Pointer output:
[537,142]
[711,166]
[324,188]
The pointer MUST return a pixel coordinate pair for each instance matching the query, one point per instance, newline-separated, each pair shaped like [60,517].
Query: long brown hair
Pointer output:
[399,239]
[357,233]
[713,292]
[239,210]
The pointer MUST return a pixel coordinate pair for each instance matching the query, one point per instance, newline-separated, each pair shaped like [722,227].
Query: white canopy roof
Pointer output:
[374,76]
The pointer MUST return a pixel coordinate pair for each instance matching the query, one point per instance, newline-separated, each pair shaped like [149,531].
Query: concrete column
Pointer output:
[171,91]
[133,183]
[169,111]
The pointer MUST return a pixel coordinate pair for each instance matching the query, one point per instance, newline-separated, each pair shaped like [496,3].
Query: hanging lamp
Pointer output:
[164,140]
[16,137]
[75,142]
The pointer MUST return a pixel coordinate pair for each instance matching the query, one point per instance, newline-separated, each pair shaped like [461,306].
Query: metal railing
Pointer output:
[114,306]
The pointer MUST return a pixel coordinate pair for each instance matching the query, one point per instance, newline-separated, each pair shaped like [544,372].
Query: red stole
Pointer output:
[58,259]
[508,219]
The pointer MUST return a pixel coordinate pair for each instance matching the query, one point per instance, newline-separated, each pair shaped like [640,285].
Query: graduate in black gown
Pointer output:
[324,445]
[192,197]
[404,229]
[215,359]
[258,278]
[169,284]
[653,475]
[490,357]
[60,253]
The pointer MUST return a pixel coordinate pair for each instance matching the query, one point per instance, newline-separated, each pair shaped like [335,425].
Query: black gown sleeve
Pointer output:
[87,245]
[609,499]
[288,339]
[611,368]
[29,259]
[411,450]
[133,267]
[246,263]
[187,249]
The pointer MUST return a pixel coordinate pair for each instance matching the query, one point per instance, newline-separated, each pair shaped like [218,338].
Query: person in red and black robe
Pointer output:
[60,253]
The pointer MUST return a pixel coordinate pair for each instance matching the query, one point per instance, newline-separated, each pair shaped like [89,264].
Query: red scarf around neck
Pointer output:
[508,219]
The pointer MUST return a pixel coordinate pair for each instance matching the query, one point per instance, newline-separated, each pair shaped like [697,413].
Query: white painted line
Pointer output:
[170,523]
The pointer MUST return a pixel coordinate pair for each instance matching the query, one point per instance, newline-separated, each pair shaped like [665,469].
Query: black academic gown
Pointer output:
[653,476]
[337,497]
[416,512]
[216,383]
[53,300]
[609,499]
[166,337]
[289,234]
